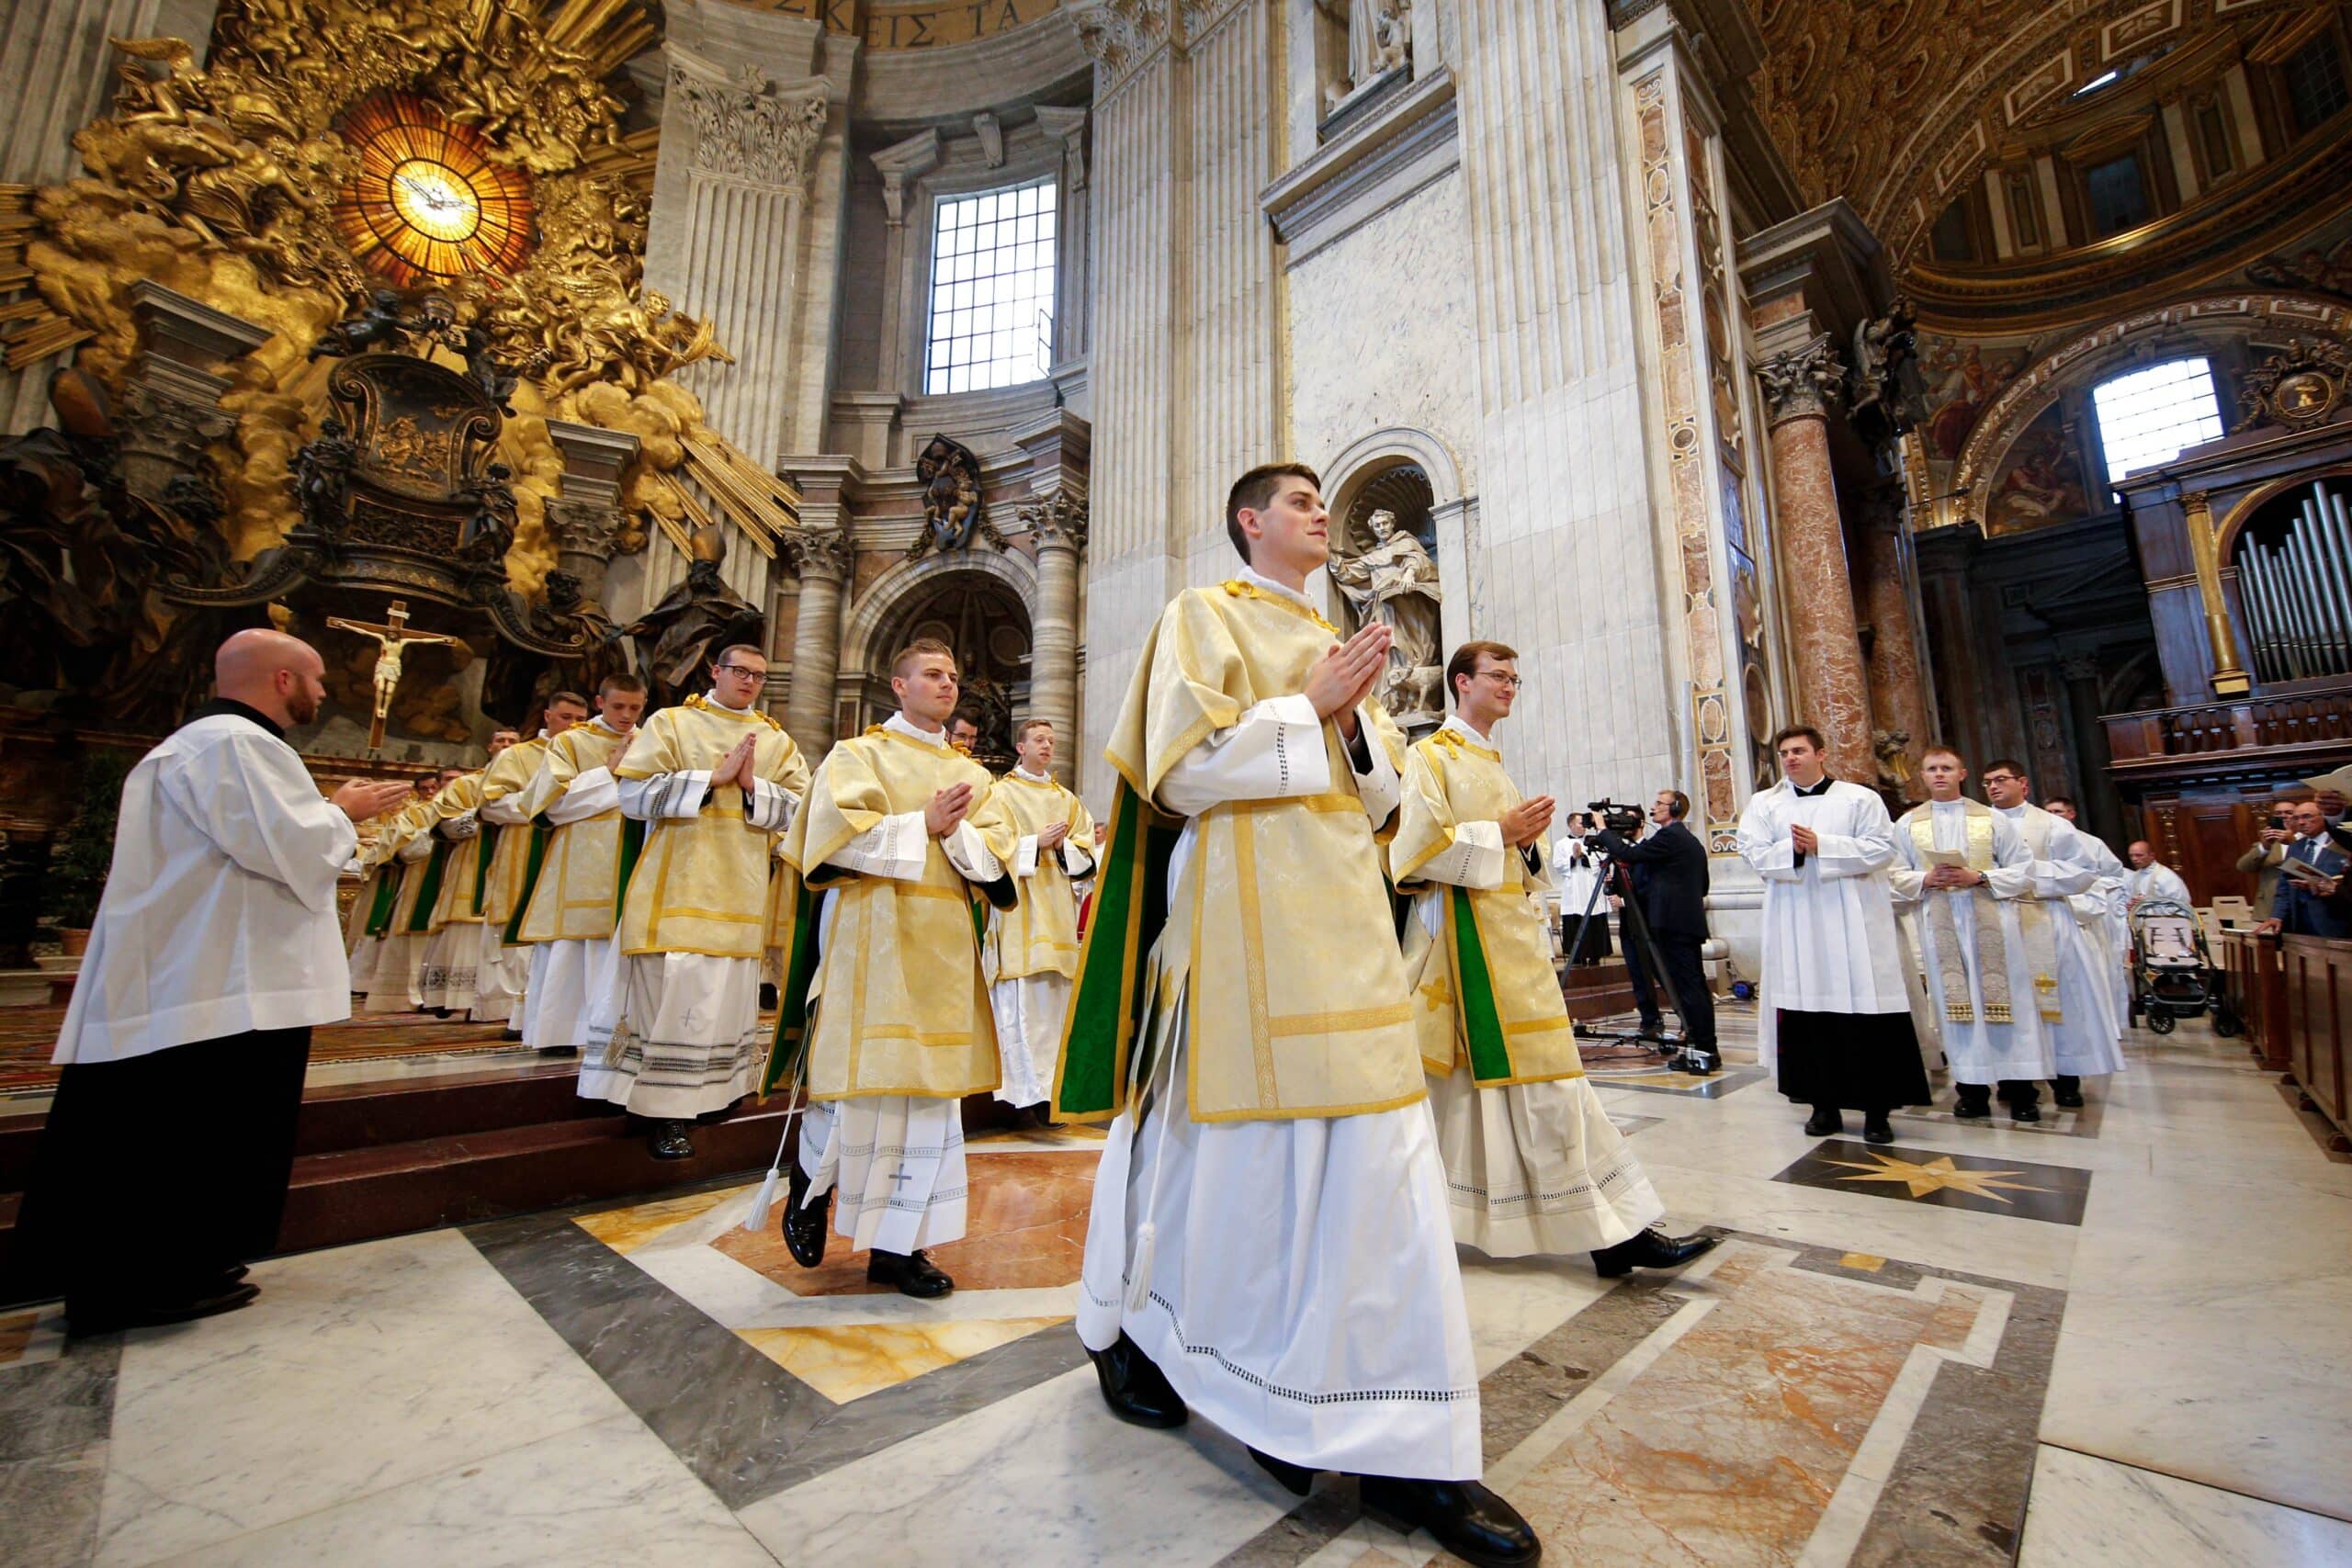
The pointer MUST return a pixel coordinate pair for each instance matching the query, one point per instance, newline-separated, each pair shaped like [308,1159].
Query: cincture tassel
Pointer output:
[757,1220]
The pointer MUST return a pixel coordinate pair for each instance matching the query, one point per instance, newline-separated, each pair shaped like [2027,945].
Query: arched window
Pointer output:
[991,290]
[2150,416]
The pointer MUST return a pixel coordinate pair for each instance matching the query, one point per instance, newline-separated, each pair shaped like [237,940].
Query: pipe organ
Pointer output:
[2293,563]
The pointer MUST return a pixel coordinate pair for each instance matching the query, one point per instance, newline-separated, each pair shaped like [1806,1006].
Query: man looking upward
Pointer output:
[1533,1163]
[1253,1035]
[1036,941]
[714,780]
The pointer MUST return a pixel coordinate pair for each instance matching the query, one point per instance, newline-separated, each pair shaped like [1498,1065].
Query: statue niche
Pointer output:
[1389,577]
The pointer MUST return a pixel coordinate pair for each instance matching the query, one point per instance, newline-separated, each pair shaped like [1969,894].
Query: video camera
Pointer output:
[1623,821]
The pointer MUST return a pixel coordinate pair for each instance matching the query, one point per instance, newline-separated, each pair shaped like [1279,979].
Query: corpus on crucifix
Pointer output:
[393,640]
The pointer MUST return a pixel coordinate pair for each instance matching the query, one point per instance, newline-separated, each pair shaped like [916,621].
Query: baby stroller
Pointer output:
[2170,964]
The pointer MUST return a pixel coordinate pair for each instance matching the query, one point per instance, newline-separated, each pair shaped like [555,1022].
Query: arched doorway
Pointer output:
[984,619]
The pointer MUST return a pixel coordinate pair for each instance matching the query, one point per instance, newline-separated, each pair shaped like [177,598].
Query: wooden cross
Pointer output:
[392,640]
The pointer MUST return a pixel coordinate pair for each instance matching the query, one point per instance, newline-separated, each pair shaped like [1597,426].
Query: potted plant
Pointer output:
[78,865]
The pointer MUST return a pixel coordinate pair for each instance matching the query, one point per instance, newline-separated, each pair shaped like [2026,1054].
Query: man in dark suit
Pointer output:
[2301,910]
[1669,869]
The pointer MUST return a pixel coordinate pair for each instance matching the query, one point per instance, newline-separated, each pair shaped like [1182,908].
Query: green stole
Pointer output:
[1108,1007]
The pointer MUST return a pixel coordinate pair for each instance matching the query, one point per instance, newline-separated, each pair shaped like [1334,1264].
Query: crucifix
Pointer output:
[392,640]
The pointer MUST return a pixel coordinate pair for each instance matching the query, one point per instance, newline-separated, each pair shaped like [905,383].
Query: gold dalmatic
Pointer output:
[895,1003]
[576,897]
[1992,942]
[1039,935]
[1279,942]
[1484,987]
[701,883]
[520,849]
[458,898]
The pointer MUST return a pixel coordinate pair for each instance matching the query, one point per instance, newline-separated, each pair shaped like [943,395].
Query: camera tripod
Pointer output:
[1675,1049]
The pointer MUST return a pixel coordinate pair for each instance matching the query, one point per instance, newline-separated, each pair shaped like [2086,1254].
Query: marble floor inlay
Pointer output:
[1952,1351]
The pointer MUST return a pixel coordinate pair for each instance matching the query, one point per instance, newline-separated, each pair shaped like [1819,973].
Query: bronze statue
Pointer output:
[692,623]
[392,640]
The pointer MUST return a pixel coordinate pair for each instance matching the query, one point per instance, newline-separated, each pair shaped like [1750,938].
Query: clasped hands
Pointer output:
[738,766]
[1953,876]
[1523,824]
[947,810]
[1346,674]
[1053,836]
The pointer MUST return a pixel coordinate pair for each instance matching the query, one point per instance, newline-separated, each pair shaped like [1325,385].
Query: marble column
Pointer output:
[822,557]
[55,57]
[1883,592]
[1799,386]
[169,411]
[1059,526]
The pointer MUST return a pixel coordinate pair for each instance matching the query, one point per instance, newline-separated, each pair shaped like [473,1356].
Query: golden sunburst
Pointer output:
[426,203]
[1935,1176]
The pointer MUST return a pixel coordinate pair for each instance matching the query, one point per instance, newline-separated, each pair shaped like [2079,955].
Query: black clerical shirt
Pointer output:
[1821,787]
[220,705]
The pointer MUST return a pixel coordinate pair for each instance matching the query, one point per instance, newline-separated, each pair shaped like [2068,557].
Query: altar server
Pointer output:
[214,950]
[453,920]
[1990,954]
[1533,1163]
[504,963]
[903,837]
[1834,1013]
[416,855]
[568,924]
[2101,912]
[1034,945]
[1270,1242]
[2083,1030]
[715,779]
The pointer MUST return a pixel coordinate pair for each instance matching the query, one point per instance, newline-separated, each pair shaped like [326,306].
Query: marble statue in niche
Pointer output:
[1394,581]
[1380,40]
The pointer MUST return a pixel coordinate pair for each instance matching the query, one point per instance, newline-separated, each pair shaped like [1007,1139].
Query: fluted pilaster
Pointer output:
[1058,524]
[823,558]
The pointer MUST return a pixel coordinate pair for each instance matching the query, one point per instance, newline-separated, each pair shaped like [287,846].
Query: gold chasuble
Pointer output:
[1484,985]
[701,882]
[895,1003]
[1039,935]
[457,894]
[1299,1004]
[520,847]
[576,897]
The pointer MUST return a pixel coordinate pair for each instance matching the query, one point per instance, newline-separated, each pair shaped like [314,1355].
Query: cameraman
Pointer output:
[1669,870]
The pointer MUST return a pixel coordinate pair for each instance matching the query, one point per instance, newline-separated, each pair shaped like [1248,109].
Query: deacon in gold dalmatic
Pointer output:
[516,854]
[1033,947]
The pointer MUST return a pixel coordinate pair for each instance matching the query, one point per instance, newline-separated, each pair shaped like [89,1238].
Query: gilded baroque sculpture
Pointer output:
[953,513]
[1394,581]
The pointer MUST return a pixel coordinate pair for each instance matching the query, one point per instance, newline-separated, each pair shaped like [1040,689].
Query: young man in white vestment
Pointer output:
[453,941]
[568,923]
[2101,911]
[416,856]
[215,950]
[1990,954]
[1834,1005]
[714,780]
[1269,1244]
[1533,1163]
[2083,1030]
[503,965]
[902,836]
[1034,944]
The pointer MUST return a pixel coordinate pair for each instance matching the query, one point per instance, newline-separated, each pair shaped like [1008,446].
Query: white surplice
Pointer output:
[2156,880]
[895,1161]
[2100,913]
[2084,1042]
[1979,1051]
[1529,1167]
[1830,942]
[1303,1290]
[396,983]
[502,969]
[218,916]
[571,976]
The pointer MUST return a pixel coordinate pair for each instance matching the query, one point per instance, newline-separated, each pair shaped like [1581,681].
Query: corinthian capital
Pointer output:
[746,130]
[1058,519]
[1118,33]
[1801,383]
[820,552]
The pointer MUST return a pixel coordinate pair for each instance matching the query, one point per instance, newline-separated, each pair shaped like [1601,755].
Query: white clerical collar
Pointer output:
[542,734]
[1461,727]
[1257,578]
[713,701]
[598,721]
[2014,813]
[1032,778]
[1957,803]
[907,726]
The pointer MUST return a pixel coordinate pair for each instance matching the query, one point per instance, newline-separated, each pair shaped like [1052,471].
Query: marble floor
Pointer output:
[2123,1337]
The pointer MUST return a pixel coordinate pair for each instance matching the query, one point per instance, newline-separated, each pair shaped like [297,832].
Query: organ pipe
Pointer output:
[2294,576]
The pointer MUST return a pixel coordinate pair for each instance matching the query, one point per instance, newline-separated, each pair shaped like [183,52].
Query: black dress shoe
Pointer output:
[1651,1249]
[510,1034]
[1297,1479]
[1135,1388]
[768,998]
[1827,1122]
[1467,1519]
[668,1140]
[2068,1093]
[912,1274]
[2026,1110]
[804,1227]
[559,1050]
[1968,1108]
[108,1317]
[1875,1129]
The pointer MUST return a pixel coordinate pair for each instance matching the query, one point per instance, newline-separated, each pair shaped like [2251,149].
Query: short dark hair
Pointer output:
[734,647]
[1466,663]
[1677,805]
[1253,490]
[916,650]
[623,681]
[962,715]
[2066,800]
[2005,765]
[1021,733]
[1792,731]
[574,698]
[1938,749]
